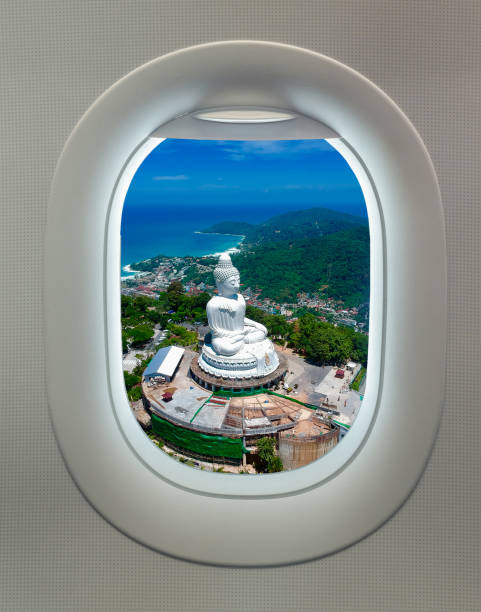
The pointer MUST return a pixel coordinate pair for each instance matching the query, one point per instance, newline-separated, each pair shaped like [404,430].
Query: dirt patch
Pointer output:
[304,413]
[306,427]
[302,397]
[141,415]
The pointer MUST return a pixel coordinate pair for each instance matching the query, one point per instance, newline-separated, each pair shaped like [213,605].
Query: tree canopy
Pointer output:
[336,265]
[326,344]
[267,460]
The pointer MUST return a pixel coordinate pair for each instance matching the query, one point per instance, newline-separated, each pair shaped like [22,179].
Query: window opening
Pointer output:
[245,301]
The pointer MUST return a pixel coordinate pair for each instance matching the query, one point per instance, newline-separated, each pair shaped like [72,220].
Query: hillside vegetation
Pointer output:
[337,263]
[301,224]
[319,341]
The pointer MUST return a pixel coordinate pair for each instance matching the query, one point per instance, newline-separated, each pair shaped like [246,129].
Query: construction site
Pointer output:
[224,426]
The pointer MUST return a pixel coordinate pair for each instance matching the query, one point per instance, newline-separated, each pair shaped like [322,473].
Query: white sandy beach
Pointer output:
[127,268]
[231,251]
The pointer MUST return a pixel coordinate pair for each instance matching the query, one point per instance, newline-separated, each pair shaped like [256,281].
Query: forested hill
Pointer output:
[337,264]
[310,223]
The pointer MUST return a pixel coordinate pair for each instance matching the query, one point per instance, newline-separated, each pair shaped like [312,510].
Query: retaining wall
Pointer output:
[296,452]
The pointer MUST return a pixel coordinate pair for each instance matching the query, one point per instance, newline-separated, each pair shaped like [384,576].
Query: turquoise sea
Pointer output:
[148,231]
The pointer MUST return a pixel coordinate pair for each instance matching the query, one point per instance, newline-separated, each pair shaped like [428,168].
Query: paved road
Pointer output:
[306,375]
[352,408]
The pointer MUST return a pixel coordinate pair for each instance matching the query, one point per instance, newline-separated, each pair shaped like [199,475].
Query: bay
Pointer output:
[148,231]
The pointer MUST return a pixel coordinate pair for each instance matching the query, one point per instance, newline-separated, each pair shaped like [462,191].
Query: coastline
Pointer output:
[231,250]
[133,273]
[218,234]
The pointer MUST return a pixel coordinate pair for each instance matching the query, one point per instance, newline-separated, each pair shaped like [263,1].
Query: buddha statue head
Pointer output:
[226,277]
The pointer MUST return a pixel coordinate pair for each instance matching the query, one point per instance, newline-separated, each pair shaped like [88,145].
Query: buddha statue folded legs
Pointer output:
[228,345]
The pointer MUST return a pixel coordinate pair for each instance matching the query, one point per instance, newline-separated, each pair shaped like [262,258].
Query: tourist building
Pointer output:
[164,363]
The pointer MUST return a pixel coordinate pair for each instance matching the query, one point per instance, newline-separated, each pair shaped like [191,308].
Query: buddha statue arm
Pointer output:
[255,324]
[254,331]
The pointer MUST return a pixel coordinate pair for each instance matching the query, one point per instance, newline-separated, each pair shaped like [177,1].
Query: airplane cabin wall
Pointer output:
[56,552]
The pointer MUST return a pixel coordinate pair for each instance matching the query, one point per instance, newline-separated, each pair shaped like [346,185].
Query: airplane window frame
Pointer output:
[364,487]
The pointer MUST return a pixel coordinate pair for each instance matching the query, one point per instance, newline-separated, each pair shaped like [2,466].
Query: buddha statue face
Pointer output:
[230,286]
[226,276]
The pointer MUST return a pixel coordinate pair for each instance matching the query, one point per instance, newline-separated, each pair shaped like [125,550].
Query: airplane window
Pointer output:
[245,301]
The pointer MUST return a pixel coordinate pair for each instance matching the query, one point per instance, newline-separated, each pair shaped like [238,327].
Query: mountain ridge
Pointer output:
[307,223]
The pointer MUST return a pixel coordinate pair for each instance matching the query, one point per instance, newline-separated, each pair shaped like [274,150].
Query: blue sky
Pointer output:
[298,174]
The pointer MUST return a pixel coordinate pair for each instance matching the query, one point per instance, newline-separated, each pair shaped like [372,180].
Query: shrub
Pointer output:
[356,383]
[267,460]
[134,394]
[274,464]
[130,380]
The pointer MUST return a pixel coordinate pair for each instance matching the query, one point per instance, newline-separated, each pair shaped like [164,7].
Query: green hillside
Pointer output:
[339,262]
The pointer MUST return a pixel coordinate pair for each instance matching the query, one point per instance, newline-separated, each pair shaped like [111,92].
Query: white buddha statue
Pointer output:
[239,347]
[231,331]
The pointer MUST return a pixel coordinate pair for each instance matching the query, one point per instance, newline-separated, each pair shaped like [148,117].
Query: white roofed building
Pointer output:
[164,363]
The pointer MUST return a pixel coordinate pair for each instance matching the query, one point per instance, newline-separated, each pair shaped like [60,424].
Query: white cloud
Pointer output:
[300,186]
[248,148]
[263,147]
[309,145]
[175,177]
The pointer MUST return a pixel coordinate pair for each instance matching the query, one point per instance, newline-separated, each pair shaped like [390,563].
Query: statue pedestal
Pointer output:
[228,382]
[253,361]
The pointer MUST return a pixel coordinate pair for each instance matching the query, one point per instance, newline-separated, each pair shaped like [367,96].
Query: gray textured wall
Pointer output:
[56,553]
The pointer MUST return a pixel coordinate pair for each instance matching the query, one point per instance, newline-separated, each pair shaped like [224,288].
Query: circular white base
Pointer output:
[255,360]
